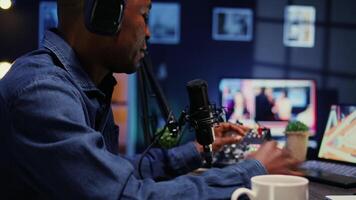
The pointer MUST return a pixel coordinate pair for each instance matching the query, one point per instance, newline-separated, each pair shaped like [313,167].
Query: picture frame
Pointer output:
[299,26]
[164,23]
[232,24]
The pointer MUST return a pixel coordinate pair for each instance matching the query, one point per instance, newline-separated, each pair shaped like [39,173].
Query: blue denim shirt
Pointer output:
[58,140]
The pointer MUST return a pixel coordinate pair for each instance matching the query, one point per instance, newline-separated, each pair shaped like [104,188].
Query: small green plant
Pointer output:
[296,126]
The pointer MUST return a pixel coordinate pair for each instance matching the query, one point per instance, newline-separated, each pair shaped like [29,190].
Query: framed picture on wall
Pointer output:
[232,24]
[47,17]
[164,23]
[299,26]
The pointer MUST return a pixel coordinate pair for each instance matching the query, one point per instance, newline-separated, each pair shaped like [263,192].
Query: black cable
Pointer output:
[155,140]
[181,136]
[158,92]
[144,102]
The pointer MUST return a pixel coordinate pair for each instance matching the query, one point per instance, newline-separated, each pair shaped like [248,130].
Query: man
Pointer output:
[58,139]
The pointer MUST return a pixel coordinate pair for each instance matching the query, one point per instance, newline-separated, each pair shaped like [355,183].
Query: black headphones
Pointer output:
[104,17]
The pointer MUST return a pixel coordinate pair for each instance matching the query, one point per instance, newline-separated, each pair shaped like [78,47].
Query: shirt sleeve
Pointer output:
[215,183]
[61,157]
[162,163]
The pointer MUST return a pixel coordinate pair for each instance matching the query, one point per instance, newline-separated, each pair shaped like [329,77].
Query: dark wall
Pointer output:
[198,56]
[331,62]
[19,29]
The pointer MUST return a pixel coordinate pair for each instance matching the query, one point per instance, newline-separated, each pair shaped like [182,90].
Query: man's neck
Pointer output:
[96,72]
[87,56]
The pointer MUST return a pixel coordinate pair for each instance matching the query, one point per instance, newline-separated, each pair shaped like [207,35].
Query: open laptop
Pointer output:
[336,160]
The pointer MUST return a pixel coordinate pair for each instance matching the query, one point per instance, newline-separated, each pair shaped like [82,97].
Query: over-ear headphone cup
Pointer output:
[104,16]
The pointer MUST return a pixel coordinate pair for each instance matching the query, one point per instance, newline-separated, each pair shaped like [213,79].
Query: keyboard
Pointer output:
[334,168]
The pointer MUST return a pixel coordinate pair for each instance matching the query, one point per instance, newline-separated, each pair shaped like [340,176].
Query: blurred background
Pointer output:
[214,40]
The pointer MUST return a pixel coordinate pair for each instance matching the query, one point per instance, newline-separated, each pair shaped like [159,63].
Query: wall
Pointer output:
[331,62]
[198,56]
[19,29]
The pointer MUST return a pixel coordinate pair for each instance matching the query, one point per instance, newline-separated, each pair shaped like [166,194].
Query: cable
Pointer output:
[144,101]
[155,140]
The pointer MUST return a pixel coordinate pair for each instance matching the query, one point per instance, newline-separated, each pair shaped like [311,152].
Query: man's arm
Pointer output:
[62,158]
[212,184]
[165,163]
[185,158]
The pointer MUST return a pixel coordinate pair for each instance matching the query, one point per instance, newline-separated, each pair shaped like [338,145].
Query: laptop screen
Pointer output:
[339,140]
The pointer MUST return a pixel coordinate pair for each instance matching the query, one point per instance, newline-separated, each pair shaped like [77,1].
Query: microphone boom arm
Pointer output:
[146,69]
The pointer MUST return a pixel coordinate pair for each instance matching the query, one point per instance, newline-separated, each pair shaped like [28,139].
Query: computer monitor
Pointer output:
[269,102]
[339,139]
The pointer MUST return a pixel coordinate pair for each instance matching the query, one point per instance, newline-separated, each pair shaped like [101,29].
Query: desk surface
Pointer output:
[319,191]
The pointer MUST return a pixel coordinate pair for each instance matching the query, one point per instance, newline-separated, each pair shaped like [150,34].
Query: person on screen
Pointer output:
[58,138]
[240,111]
[264,104]
[283,107]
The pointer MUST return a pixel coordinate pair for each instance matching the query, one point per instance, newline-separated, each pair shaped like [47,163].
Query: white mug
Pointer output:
[275,187]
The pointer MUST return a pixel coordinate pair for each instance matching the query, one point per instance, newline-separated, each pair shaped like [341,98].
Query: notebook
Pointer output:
[336,160]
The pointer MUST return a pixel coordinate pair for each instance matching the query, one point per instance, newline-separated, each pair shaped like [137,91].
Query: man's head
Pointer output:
[133,34]
[118,53]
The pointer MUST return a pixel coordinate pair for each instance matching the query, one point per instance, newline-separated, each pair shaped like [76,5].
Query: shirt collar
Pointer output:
[66,55]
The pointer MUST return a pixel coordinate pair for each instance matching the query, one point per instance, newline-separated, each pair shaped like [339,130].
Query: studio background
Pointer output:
[331,62]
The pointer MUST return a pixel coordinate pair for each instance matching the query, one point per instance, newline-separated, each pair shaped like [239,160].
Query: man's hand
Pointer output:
[276,160]
[221,138]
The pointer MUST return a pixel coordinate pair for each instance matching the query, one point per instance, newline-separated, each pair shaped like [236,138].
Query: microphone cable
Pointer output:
[155,140]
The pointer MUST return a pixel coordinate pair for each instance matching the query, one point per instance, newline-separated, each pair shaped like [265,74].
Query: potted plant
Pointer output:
[297,136]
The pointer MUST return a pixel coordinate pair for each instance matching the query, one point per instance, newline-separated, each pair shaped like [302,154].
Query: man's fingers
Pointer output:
[223,127]
[245,128]
[231,140]
[286,153]
[295,173]
[269,145]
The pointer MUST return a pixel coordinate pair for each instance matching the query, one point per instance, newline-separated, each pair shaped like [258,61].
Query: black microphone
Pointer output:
[201,116]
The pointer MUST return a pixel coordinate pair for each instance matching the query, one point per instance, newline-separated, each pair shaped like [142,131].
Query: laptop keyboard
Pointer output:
[330,167]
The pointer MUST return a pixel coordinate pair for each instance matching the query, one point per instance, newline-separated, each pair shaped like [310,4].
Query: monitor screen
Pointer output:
[339,139]
[269,102]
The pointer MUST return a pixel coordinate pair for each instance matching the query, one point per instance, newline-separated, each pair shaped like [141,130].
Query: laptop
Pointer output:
[336,160]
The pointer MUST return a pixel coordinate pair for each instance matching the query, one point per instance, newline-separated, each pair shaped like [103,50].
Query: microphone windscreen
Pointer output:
[198,94]
[200,111]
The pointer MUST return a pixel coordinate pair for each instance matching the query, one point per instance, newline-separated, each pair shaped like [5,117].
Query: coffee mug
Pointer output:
[275,187]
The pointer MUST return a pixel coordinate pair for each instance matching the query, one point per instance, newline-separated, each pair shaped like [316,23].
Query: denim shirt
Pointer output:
[58,140]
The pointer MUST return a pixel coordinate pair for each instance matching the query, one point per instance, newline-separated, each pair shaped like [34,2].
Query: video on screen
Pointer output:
[269,102]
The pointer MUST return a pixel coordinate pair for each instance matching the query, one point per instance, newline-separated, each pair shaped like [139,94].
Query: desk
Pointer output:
[318,191]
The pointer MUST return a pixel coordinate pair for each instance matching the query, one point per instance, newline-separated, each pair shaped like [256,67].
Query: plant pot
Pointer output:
[297,144]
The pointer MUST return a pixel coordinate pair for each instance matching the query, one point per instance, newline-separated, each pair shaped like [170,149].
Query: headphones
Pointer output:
[104,17]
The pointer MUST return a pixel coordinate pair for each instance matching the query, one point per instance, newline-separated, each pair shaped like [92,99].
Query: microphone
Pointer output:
[201,116]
